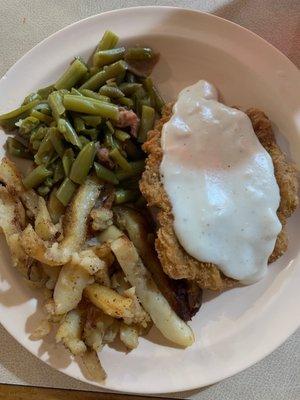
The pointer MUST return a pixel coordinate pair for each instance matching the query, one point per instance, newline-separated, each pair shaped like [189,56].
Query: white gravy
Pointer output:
[221,184]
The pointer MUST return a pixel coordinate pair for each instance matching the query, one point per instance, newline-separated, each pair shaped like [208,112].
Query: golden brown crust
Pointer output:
[174,259]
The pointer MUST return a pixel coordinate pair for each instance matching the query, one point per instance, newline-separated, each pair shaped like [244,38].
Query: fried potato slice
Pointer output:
[69,332]
[11,177]
[109,301]
[166,320]
[129,336]
[93,366]
[74,229]
[44,226]
[12,220]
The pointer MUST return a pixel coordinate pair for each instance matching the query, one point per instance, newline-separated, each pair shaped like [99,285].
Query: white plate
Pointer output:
[237,328]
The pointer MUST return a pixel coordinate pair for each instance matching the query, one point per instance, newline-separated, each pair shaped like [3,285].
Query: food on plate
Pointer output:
[210,180]
[66,219]
[118,243]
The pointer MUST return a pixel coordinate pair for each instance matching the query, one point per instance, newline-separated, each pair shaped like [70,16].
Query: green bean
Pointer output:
[56,104]
[45,151]
[159,101]
[146,101]
[83,140]
[43,190]
[36,177]
[65,127]
[44,92]
[105,174]
[75,91]
[65,191]
[94,95]
[28,124]
[137,167]
[83,163]
[55,207]
[109,140]
[59,172]
[94,70]
[129,88]
[146,124]
[48,182]
[41,116]
[79,124]
[38,134]
[36,144]
[124,196]
[108,72]
[110,127]
[71,76]
[44,108]
[138,53]
[67,160]
[119,159]
[18,111]
[121,135]
[91,106]
[31,97]
[105,57]
[111,92]
[138,95]
[108,41]
[91,120]
[125,101]
[17,149]
[57,141]
[92,133]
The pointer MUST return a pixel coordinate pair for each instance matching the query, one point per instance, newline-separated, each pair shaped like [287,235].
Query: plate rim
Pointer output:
[288,63]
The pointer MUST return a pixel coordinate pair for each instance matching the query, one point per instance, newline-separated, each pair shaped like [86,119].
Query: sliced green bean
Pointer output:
[109,140]
[92,133]
[31,97]
[71,76]
[111,92]
[119,159]
[56,104]
[67,160]
[138,53]
[48,182]
[65,127]
[43,190]
[159,101]
[55,207]
[108,72]
[124,196]
[43,107]
[83,163]
[59,172]
[94,70]
[129,88]
[105,57]
[35,144]
[147,123]
[110,127]
[137,167]
[94,95]
[65,191]
[91,120]
[18,111]
[44,92]
[105,174]
[125,101]
[57,141]
[91,106]
[41,116]
[83,140]
[38,134]
[121,135]
[28,124]
[108,41]
[17,149]
[36,177]
[45,151]
[79,124]
[75,91]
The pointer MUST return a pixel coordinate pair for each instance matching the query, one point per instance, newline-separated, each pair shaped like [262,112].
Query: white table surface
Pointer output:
[24,23]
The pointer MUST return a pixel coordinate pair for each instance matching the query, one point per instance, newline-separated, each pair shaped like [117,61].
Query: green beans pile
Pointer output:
[72,129]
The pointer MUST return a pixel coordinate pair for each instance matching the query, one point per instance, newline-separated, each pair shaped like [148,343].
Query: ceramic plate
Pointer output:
[234,329]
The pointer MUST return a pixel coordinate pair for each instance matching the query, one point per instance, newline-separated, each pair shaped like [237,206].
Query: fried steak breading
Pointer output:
[176,262]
